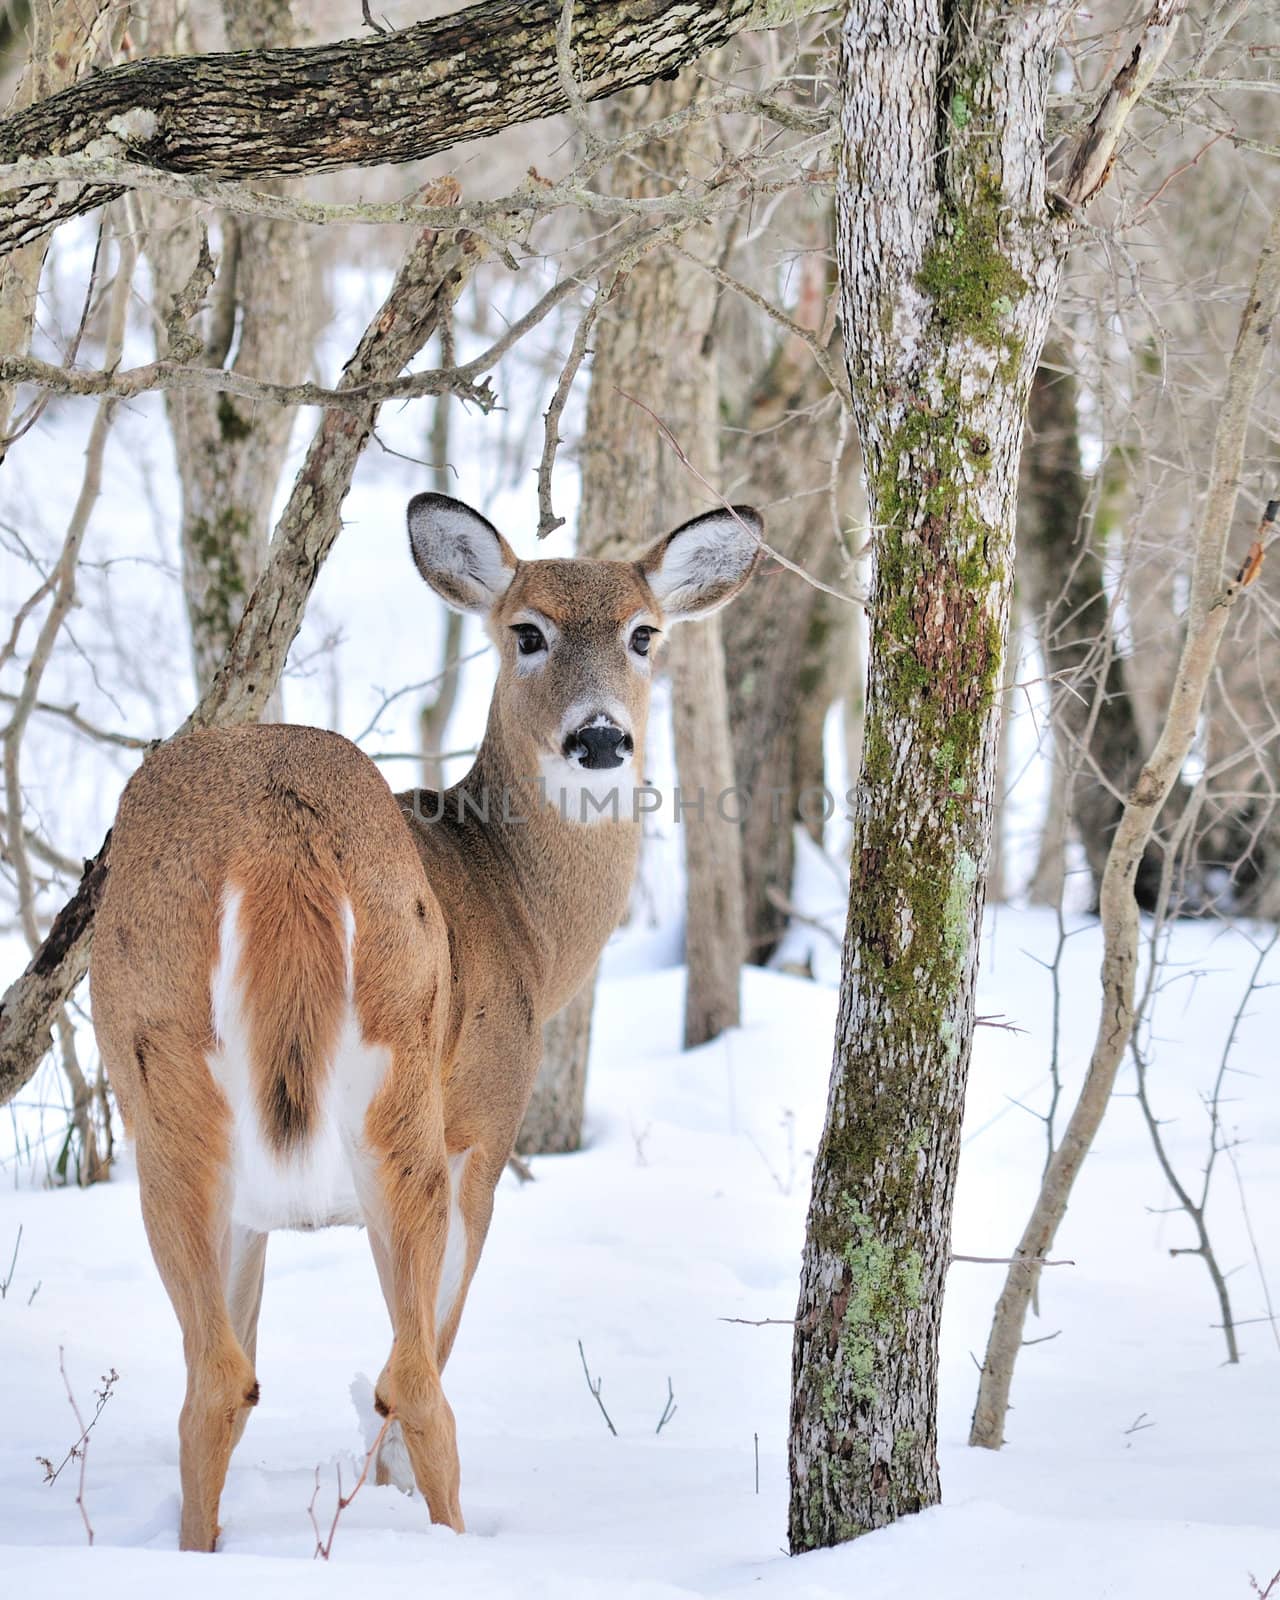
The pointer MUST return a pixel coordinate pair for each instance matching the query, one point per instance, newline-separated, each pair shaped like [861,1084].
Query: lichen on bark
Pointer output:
[949,268]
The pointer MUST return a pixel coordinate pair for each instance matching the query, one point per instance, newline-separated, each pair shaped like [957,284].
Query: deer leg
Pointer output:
[471,1189]
[473,1208]
[245,1270]
[190,1237]
[416,1203]
[392,1468]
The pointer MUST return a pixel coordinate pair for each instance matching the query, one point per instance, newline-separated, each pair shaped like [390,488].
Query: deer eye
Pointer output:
[529,639]
[641,640]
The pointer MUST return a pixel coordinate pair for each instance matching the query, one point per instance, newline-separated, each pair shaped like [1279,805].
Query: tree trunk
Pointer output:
[230,452]
[792,646]
[395,97]
[1096,736]
[553,1121]
[949,268]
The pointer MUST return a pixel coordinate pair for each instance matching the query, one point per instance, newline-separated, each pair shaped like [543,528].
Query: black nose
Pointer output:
[598,747]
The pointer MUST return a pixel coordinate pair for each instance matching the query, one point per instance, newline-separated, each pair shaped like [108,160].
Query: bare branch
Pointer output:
[548,522]
[1091,164]
[783,561]
[397,97]
[1206,621]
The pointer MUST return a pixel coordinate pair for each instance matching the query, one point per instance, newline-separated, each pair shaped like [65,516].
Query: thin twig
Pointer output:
[784,561]
[669,1410]
[13,1265]
[80,1449]
[71,714]
[595,1390]
[1013,1261]
[548,522]
[325,1546]
[568,79]
[508,214]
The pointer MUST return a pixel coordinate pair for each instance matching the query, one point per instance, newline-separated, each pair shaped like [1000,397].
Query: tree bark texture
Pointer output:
[792,646]
[230,452]
[428,281]
[949,269]
[388,98]
[1095,729]
[66,35]
[1208,612]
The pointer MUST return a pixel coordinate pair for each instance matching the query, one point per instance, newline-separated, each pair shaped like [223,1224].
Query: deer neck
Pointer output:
[546,890]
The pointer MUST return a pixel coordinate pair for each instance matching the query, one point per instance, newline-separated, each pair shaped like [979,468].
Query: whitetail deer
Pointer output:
[318,1006]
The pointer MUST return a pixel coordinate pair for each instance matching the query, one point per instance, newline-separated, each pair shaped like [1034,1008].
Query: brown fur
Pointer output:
[467,936]
[293,971]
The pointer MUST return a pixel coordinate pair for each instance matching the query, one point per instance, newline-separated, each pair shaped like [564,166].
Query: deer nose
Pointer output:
[601,745]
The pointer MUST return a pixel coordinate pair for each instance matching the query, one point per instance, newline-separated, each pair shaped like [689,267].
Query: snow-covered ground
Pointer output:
[1137,1463]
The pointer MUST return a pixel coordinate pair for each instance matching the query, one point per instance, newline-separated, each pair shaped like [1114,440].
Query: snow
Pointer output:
[1137,1464]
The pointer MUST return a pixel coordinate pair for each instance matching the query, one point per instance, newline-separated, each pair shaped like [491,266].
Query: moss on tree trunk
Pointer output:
[949,269]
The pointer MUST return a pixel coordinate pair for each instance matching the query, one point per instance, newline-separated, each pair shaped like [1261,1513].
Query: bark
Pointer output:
[949,267]
[365,102]
[715,919]
[1096,735]
[1049,879]
[427,282]
[66,36]
[1208,612]
[792,646]
[230,452]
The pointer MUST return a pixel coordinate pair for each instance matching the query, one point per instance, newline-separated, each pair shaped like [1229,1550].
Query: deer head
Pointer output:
[577,639]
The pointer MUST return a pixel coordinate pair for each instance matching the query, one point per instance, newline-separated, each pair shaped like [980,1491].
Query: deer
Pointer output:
[320,1003]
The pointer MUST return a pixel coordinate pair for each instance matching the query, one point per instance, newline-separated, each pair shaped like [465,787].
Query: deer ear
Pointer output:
[460,554]
[703,564]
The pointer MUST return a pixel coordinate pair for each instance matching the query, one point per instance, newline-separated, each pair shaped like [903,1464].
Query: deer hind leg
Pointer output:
[184,1206]
[245,1270]
[463,1240]
[409,1237]
[474,1179]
